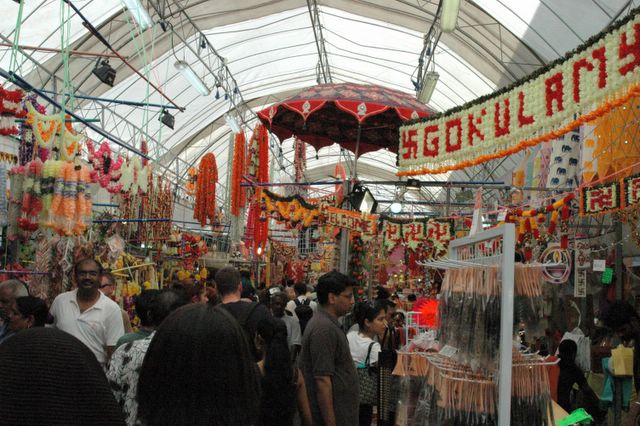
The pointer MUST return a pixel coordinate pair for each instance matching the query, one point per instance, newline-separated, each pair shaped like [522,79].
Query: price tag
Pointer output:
[607,276]
[502,216]
[599,265]
[448,351]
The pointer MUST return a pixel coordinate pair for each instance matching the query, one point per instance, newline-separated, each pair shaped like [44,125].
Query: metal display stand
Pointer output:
[495,247]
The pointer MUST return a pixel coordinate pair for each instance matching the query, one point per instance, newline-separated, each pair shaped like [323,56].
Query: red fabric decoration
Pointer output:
[428,309]
[205,208]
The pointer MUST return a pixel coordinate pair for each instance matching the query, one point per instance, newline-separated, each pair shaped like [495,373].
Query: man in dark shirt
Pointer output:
[571,374]
[248,314]
[329,371]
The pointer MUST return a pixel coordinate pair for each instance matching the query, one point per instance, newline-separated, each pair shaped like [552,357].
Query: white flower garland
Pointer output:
[534,110]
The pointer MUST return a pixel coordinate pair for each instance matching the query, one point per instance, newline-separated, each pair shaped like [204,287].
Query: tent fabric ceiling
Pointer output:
[271,51]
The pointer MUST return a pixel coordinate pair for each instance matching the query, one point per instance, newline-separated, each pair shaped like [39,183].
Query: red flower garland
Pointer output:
[205,208]
[238,193]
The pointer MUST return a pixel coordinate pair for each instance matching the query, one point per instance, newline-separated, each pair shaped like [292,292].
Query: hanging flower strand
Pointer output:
[205,208]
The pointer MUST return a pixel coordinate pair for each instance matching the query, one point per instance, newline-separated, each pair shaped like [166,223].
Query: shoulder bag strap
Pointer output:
[366,362]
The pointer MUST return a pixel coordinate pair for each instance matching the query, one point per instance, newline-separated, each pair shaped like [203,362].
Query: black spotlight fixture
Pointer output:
[105,72]
[413,184]
[362,200]
[167,119]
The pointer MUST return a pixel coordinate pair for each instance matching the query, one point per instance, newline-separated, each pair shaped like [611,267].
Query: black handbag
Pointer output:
[368,379]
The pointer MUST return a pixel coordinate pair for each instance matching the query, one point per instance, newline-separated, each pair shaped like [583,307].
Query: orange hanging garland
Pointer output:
[238,193]
[205,208]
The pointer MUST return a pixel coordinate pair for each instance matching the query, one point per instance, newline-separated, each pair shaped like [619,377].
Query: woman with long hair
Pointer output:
[364,343]
[282,383]
[199,370]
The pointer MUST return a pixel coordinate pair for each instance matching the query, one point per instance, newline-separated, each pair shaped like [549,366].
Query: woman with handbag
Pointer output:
[365,348]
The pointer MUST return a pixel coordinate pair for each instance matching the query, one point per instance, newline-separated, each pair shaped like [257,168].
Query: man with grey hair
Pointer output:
[9,291]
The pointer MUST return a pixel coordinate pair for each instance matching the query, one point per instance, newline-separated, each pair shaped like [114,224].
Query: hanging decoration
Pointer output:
[560,264]
[356,263]
[547,104]
[70,212]
[529,222]
[294,211]
[615,139]
[299,159]
[156,204]
[363,223]
[31,205]
[52,135]
[205,208]
[105,171]
[259,172]
[416,233]
[10,109]
[16,181]
[238,192]
[565,154]
[600,199]
[190,186]
[283,250]
[192,247]
[27,137]
[134,177]
[4,169]
[339,191]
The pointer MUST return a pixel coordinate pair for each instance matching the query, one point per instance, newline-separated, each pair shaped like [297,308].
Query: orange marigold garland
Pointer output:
[238,193]
[205,208]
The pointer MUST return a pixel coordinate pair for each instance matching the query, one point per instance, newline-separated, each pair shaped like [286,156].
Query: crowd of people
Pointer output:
[219,357]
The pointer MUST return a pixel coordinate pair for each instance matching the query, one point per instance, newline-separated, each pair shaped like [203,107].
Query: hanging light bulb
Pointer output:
[396,207]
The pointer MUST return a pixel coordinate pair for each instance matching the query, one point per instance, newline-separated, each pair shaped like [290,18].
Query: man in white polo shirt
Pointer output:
[87,314]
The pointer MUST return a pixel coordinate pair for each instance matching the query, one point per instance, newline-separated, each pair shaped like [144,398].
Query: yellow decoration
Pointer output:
[617,145]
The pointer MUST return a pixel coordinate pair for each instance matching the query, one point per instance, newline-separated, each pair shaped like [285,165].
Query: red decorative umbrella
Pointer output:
[358,117]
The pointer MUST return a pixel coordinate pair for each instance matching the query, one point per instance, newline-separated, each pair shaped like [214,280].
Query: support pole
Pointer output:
[355,160]
[343,264]
[619,266]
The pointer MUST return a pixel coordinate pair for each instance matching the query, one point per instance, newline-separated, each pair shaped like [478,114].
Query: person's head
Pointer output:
[269,331]
[622,318]
[412,298]
[166,301]
[248,292]
[143,303]
[108,284]
[211,292]
[398,319]
[390,309]
[568,350]
[278,304]
[29,312]
[9,290]
[228,281]
[335,292]
[300,289]
[199,370]
[87,272]
[49,377]
[371,317]
[278,387]
[382,293]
